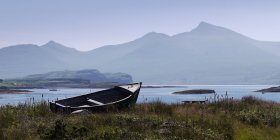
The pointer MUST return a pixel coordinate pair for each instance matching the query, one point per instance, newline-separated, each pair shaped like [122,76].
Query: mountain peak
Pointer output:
[206,27]
[52,43]
[203,28]
[155,35]
[205,24]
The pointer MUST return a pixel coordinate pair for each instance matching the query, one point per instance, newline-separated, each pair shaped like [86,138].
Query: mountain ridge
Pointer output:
[208,54]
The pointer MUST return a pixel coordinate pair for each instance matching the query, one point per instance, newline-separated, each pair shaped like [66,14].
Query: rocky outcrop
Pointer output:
[195,91]
[271,89]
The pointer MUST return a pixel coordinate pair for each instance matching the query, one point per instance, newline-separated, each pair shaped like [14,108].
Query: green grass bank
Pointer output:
[248,118]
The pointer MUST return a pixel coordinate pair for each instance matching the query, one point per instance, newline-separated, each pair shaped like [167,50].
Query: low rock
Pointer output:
[271,89]
[195,91]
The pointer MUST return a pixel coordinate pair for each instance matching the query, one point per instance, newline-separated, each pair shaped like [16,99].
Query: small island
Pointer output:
[195,91]
[271,89]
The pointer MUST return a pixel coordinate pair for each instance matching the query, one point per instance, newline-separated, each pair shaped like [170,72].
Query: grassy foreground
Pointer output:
[249,118]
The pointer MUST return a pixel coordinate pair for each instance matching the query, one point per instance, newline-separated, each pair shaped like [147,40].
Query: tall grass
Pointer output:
[223,119]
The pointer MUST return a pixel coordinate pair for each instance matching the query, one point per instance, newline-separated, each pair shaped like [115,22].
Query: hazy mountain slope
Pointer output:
[26,59]
[271,47]
[69,56]
[208,54]
[106,55]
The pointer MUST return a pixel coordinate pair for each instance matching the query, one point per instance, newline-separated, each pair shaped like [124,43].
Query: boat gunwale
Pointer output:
[103,104]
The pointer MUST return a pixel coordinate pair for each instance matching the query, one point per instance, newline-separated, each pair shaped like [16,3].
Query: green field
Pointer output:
[249,118]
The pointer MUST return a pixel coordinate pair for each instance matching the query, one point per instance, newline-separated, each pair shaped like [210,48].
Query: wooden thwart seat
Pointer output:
[60,105]
[94,101]
[84,106]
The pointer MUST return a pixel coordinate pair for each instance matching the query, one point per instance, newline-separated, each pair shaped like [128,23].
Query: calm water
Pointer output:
[147,94]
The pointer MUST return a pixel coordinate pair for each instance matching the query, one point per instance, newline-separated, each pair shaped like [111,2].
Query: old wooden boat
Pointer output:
[118,97]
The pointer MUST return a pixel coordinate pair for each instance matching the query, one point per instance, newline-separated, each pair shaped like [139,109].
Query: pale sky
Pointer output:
[88,24]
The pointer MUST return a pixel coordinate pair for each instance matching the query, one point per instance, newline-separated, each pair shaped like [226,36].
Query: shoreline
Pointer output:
[15,91]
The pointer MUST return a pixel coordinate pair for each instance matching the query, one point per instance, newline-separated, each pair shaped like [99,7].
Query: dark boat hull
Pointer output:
[116,98]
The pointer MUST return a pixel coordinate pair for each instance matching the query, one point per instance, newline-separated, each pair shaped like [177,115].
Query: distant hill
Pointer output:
[22,60]
[69,79]
[94,76]
[208,54]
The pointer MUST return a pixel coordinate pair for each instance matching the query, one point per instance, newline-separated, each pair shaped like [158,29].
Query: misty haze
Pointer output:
[117,70]
[208,54]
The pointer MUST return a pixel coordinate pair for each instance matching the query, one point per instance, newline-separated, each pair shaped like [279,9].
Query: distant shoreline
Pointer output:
[12,91]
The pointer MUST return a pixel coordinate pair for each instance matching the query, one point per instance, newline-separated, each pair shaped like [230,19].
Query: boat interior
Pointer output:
[97,98]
